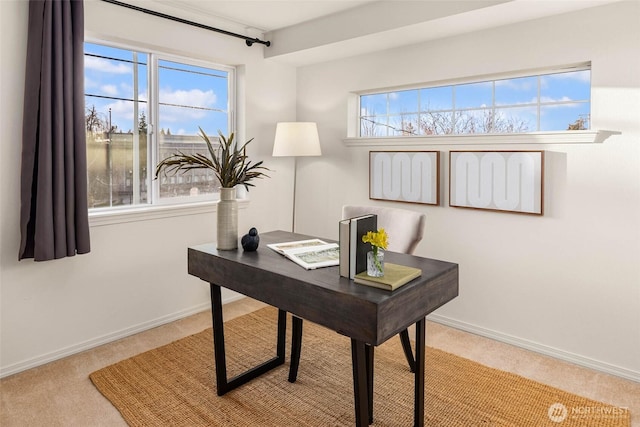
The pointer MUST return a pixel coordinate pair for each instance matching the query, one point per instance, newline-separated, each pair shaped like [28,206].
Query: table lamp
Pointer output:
[296,139]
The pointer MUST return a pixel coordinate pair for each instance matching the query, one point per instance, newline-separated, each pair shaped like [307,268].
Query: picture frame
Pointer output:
[503,181]
[405,176]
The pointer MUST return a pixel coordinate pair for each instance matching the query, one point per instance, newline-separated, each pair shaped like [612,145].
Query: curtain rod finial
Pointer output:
[250,42]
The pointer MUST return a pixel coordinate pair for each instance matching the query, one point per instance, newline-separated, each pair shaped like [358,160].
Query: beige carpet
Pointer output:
[174,385]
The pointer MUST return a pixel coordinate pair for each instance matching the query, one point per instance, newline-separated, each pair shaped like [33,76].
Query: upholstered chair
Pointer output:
[405,229]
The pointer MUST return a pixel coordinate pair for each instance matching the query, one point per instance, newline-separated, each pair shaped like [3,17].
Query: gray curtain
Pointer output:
[54,219]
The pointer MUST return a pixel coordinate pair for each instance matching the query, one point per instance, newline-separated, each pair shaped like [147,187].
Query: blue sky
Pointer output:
[189,96]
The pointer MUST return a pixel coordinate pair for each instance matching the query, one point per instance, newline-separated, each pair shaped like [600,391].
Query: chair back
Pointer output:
[404,227]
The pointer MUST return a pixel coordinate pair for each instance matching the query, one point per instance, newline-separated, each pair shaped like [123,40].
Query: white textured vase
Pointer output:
[227,219]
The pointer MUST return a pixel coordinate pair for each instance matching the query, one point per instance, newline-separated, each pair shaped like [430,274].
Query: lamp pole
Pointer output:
[295,180]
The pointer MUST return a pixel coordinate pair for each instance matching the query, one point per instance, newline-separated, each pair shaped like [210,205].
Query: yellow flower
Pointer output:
[377,239]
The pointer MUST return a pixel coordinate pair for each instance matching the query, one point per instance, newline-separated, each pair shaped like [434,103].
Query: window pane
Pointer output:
[190,97]
[373,126]
[405,101]
[116,124]
[522,90]
[474,95]
[436,123]
[570,86]
[196,182]
[372,105]
[404,125]
[474,121]
[436,98]
[515,120]
[565,117]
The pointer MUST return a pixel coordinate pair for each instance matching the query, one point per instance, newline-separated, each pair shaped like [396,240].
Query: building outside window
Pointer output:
[547,101]
[141,107]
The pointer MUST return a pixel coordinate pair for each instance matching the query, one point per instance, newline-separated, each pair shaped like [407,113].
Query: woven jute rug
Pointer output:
[174,385]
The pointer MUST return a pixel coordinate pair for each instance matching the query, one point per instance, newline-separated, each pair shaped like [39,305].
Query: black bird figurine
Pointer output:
[250,241]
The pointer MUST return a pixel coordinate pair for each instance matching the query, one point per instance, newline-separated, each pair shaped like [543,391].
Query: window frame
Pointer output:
[155,206]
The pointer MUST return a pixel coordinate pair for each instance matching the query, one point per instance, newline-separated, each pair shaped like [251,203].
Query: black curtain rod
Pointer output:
[248,40]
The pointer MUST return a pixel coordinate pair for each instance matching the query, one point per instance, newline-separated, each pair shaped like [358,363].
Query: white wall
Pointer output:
[136,274]
[567,283]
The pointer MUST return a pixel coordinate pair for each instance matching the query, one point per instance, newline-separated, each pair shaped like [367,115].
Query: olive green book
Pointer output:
[394,276]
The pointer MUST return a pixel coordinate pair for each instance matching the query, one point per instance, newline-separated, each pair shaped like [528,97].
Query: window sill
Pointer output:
[561,137]
[145,213]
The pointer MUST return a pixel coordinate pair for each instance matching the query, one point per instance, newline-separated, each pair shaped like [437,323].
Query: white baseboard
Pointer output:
[33,362]
[5,371]
[538,348]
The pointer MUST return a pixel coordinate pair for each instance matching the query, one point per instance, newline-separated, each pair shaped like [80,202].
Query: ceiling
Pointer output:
[308,31]
[262,16]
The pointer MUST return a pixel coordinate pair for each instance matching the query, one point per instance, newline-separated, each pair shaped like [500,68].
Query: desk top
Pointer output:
[322,296]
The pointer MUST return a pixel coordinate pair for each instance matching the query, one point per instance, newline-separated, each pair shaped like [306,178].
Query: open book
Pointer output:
[310,254]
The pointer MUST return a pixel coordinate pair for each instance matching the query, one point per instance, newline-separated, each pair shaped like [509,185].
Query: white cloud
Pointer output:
[171,117]
[102,65]
[550,99]
[110,90]
[193,97]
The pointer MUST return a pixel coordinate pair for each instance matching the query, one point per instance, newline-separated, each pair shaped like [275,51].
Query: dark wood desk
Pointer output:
[367,315]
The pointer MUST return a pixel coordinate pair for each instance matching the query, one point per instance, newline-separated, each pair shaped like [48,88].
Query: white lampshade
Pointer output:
[296,139]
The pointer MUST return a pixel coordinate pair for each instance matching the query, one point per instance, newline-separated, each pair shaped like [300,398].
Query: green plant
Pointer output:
[229,162]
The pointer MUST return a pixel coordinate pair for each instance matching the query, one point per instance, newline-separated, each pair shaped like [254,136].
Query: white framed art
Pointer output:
[508,181]
[405,176]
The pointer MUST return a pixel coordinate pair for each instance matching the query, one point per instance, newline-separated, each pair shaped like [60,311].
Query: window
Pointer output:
[549,101]
[142,107]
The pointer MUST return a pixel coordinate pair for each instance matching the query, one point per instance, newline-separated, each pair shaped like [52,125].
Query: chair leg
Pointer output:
[296,346]
[406,346]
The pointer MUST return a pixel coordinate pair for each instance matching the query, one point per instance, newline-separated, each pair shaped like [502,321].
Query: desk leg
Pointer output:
[223,385]
[369,358]
[419,379]
[296,346]
[361,381]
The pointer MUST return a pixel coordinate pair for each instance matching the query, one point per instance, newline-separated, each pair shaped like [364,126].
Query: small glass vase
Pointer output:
[375,263]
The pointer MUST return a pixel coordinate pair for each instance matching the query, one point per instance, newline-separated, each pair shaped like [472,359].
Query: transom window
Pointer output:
[548,101]
[142,107]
